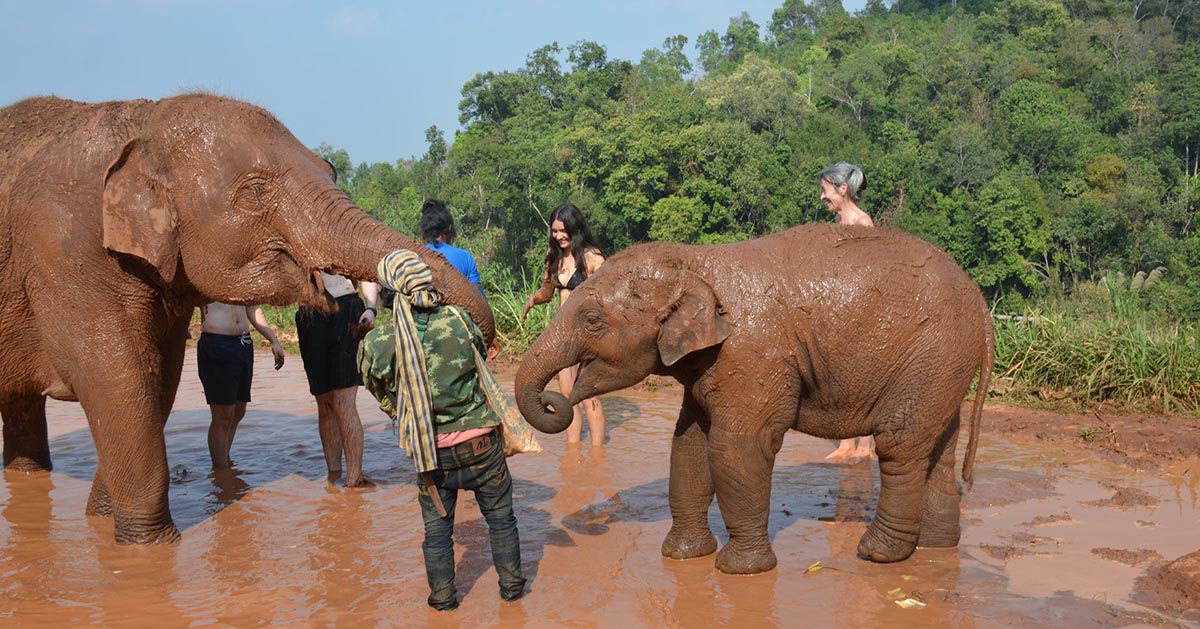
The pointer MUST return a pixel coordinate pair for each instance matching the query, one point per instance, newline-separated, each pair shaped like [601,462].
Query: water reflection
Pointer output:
[227,487]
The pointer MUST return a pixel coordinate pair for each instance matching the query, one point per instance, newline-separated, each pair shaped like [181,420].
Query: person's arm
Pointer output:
[258,319]
[370,295]
[543,295]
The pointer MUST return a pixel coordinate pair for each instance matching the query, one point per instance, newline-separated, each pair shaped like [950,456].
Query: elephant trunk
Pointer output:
[547,411]
[343,239]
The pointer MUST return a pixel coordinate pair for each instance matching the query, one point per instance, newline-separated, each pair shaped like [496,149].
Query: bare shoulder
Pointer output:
[859,218]
[592,258]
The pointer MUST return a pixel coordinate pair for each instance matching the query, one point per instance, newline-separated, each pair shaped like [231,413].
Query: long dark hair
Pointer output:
[582,239]
[436,221]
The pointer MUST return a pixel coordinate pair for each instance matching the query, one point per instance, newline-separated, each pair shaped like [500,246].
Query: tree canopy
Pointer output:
[1039,142]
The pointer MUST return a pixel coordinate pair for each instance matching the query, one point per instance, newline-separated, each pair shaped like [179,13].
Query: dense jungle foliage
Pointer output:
[1051,147]
[1041,143]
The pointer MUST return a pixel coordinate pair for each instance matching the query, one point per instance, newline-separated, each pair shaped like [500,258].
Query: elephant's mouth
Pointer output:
[308,281]
[582,387]
[323,300]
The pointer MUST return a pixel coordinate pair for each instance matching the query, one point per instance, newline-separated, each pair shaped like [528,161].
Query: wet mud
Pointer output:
[1058,531]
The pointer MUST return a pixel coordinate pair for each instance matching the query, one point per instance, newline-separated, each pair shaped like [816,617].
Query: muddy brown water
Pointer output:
[1051,536]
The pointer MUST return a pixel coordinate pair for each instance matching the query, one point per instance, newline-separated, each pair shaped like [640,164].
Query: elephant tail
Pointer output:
[981,390]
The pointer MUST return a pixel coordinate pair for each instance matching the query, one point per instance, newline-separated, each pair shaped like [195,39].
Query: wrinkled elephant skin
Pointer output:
[831,330]
[116,220]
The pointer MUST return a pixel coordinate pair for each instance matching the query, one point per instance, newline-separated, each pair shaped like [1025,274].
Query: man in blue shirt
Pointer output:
[437,228]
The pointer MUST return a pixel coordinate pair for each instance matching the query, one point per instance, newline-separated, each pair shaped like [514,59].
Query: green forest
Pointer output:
[1052,148]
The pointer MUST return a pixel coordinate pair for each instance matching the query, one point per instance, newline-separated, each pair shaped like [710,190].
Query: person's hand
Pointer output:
[367,320]
[528,307]
[277,350]
[494,349]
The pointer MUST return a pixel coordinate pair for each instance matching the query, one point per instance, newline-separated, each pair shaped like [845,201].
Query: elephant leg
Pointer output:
[132,465]
[941,517]
[915,423]
[742,464]
[126,404]
[26,444]
[691,488]
[892,535]
[99,502]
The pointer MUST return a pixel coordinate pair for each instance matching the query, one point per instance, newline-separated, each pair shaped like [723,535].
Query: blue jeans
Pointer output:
[486,473]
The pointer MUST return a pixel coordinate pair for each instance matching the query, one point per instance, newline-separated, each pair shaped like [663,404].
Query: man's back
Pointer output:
[458,401]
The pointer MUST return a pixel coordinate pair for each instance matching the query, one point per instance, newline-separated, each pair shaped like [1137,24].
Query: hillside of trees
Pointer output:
[1045,145]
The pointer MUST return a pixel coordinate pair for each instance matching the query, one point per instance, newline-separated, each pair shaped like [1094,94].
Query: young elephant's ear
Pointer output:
[139,219]
[694,322]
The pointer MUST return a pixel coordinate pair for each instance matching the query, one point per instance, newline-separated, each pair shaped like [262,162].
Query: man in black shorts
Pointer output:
[329,347]
[225,360]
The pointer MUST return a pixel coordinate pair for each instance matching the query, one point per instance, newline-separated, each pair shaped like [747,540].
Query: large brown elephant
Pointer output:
[831,330]
[116,220]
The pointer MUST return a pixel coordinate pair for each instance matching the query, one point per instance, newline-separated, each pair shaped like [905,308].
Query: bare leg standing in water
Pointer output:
[329,346]
[341,434]
[589,408]
[225,360]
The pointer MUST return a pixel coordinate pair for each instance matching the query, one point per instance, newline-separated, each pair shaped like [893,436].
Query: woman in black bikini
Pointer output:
[572,256]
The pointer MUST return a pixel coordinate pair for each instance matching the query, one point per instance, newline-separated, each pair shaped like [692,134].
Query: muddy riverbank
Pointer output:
[1059,530]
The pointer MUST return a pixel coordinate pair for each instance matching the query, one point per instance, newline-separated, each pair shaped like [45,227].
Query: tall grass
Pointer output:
[507,295]
[1123,358]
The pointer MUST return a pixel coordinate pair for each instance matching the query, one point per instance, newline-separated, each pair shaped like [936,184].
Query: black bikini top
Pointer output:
[572,282]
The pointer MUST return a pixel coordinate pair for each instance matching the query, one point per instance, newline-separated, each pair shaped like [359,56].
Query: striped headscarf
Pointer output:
[405,273]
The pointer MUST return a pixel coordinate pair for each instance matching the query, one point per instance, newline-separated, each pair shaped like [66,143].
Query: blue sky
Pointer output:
[369,77]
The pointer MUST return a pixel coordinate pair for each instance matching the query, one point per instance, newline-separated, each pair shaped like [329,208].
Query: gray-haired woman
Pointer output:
[841,190]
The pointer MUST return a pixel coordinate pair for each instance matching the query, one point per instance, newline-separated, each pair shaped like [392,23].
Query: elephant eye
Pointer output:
[252,193]
[258,188]
[593,321]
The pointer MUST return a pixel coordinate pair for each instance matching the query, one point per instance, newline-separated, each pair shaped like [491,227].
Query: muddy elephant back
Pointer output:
[34,130]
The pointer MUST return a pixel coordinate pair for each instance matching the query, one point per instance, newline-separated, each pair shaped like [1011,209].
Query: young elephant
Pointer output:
[835,331]
[116,220]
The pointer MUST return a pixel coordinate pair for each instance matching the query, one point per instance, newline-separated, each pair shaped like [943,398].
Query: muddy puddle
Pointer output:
[1052,536]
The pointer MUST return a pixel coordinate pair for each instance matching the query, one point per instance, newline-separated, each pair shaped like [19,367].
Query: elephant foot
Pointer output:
[99,503]
[941,525]
[127,532]
[940,536]
[876,546]
[679,545]
[758,558]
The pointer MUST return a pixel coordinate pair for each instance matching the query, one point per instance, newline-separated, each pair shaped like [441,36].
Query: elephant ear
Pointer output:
[139,220]
[694,322]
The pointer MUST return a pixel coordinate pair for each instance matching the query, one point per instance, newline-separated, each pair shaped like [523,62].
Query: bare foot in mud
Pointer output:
[363,484]
[845,452]
[865,450]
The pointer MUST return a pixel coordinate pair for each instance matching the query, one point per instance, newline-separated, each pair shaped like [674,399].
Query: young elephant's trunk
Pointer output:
[547,411]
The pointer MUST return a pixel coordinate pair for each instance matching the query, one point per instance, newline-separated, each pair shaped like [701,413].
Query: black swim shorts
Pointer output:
[226,365]
[328,347]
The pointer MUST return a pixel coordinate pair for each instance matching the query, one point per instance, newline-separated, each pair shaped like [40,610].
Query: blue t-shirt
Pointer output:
[460,259]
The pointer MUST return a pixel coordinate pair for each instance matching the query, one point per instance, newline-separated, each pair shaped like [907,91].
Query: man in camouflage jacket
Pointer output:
[469,451]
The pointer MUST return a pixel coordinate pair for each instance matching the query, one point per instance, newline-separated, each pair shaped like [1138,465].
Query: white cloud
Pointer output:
[355,21]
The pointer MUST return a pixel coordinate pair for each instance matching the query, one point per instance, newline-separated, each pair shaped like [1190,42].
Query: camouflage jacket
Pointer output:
[458,400]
